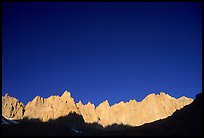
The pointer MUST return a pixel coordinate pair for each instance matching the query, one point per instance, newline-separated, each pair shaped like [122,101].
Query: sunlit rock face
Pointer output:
[153,107]
[12,108]
[88,112]
[105,114]
[52,107]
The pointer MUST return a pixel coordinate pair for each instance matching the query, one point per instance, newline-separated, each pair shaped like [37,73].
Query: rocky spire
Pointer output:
[104,104]
[66,94]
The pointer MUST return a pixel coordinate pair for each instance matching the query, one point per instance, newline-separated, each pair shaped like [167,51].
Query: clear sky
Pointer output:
[99,51]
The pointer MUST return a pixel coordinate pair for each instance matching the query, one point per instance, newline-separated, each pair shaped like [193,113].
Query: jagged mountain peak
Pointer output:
[149,97]
[133,100]
[162,93]
[121,103]
[38,98]
[104,104]
[80,102]
[184,98]
[151,108]
[89,103]
[66,94]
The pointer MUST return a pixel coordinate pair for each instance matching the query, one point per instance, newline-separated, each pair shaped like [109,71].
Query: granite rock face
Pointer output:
[52,107]
[12,108]
[88,112]
[153,107]
[105,114]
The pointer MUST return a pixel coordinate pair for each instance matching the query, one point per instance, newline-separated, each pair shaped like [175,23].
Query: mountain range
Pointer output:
[132,113]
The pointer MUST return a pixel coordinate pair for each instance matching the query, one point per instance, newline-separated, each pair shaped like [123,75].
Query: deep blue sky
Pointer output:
[99,51]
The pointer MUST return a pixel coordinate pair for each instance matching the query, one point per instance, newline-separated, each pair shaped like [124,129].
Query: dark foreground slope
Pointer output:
[185,122]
